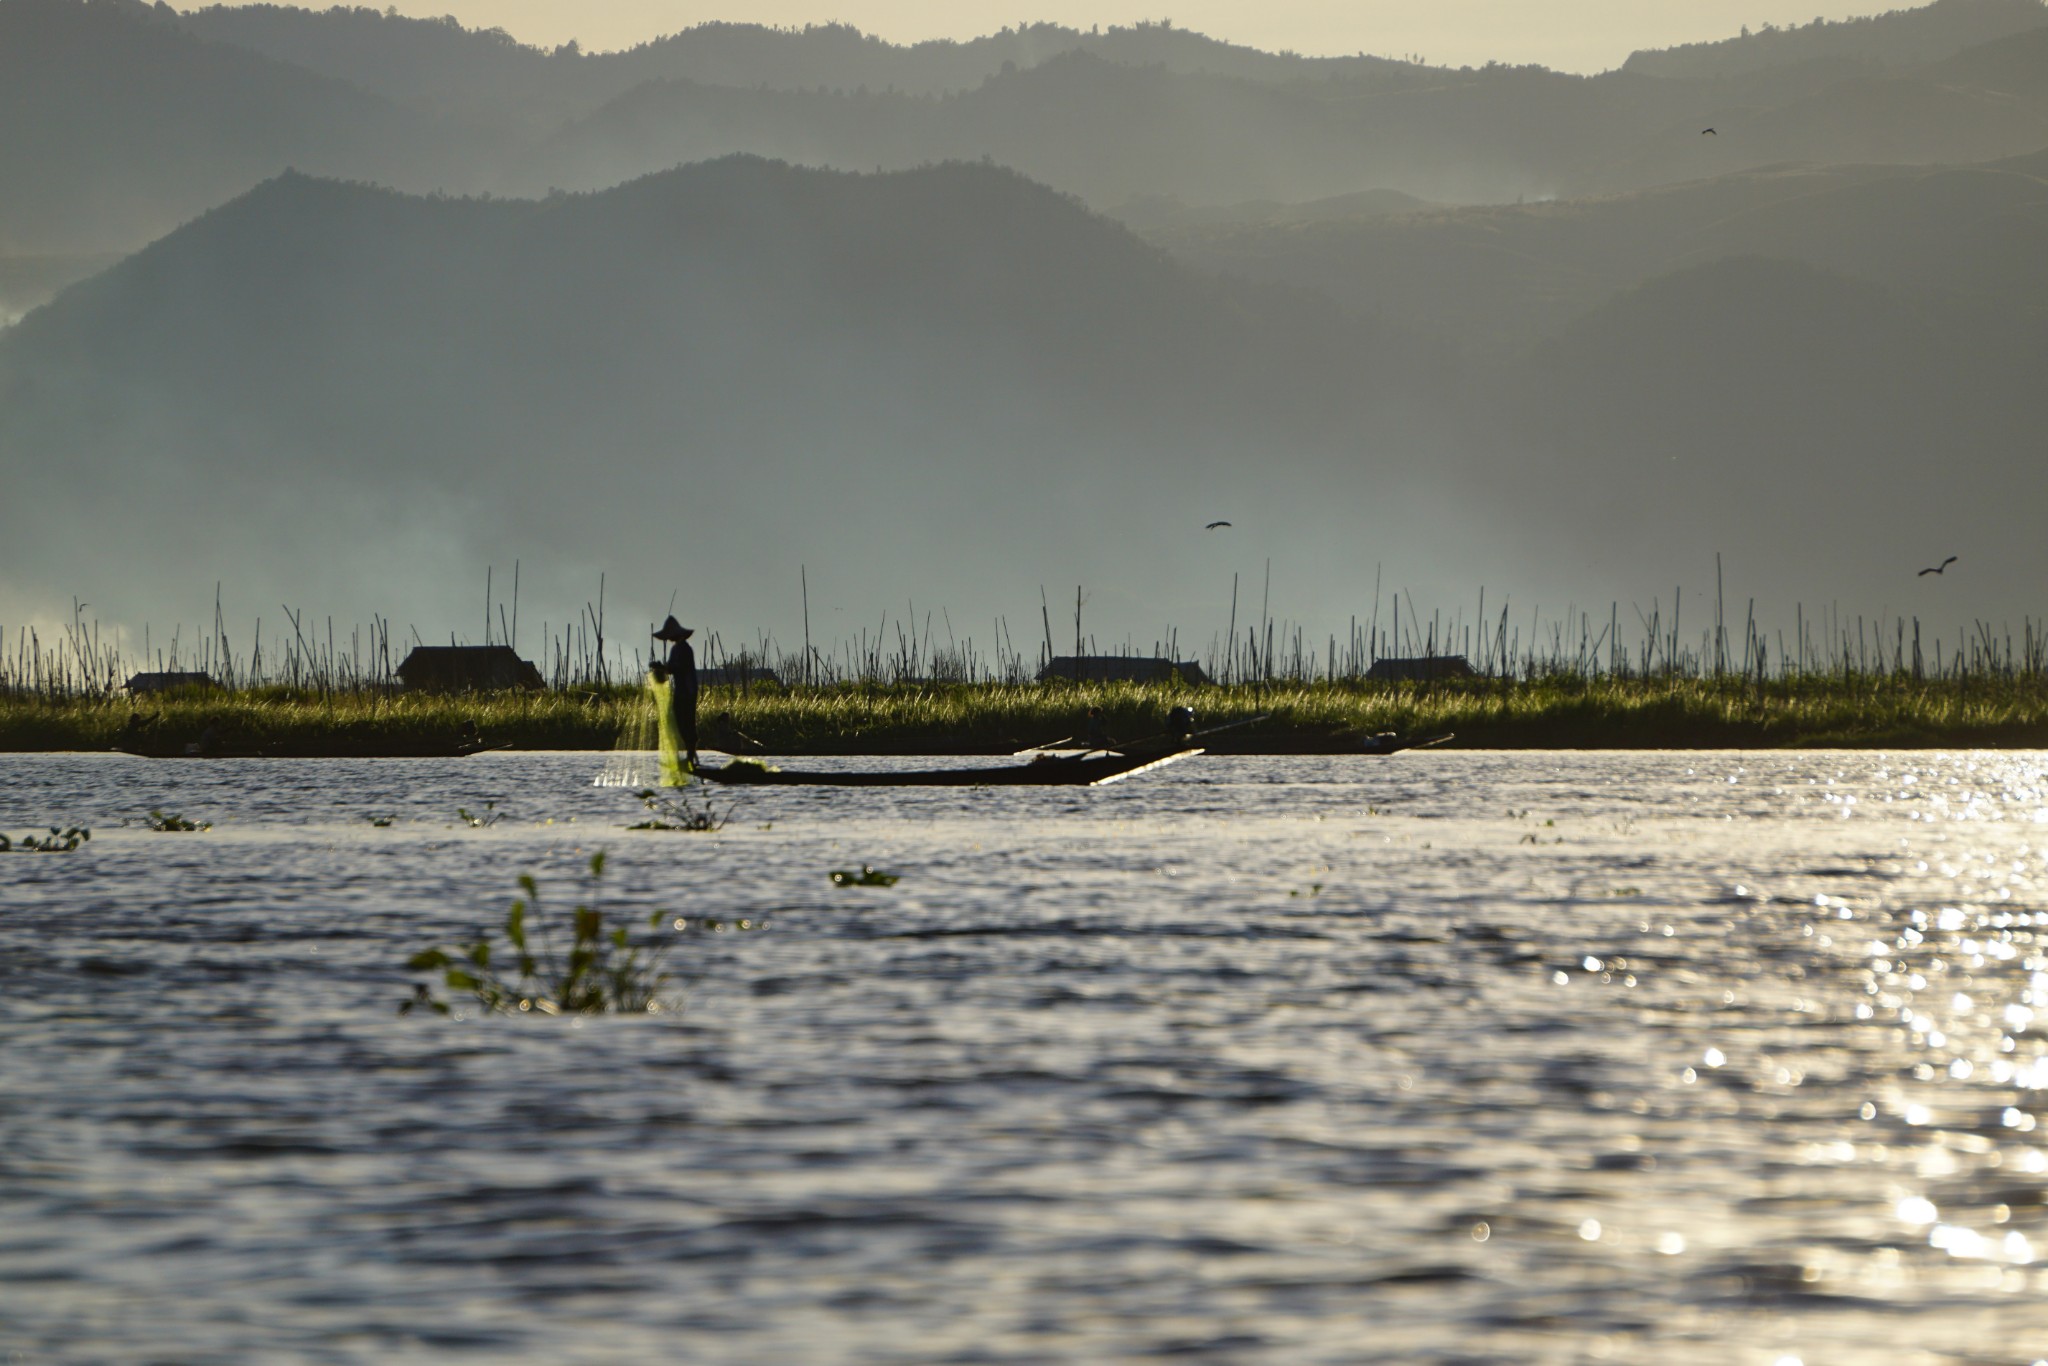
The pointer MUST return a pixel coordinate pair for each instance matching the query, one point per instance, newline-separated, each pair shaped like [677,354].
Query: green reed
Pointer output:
[1562,710]
[1566,711]
[589,718]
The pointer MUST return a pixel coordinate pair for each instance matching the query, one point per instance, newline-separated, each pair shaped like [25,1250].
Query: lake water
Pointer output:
[1714,1058]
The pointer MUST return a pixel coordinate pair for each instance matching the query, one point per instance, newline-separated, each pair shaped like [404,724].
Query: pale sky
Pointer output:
[1570,35]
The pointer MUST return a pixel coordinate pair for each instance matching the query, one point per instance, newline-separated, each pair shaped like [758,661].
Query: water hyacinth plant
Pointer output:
[170,822]
[673,813]
[600,970]
[56,842]
[866,877]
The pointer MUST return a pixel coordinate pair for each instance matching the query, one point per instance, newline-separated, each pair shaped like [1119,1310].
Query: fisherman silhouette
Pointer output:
[1180,724]
[681,668]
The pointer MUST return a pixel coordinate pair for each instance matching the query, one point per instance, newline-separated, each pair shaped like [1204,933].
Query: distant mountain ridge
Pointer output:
[116,123]
[119,120]
[944,367]
[437,65]
[1897,38]
[1078,122]
[1113,131]
[954,375]
[1510,275]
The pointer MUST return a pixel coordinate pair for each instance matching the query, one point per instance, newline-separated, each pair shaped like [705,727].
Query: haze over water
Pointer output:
[1454,1056]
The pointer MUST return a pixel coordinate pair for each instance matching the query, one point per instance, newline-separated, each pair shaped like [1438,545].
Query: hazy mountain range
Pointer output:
[712,375]
[1809,339]
[119,120]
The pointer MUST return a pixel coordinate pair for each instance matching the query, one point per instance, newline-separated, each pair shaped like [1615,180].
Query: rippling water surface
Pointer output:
[1446,1057]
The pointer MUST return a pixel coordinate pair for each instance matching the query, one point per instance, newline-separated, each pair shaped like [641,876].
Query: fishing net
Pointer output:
[649,752]
[669,752]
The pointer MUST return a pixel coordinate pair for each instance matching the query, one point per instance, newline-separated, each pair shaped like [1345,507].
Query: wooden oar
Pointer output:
[1389,743]
[1126,746]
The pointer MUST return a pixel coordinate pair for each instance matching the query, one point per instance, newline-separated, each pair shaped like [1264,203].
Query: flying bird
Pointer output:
[1708,133]
[1936,569]
[1213,525]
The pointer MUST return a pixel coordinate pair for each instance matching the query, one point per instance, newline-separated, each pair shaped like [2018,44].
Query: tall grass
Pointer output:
[255,717]
[1559,711]
[995,718]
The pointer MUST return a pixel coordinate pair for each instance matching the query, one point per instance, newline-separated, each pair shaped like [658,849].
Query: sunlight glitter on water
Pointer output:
[1512,1057]
[623,768]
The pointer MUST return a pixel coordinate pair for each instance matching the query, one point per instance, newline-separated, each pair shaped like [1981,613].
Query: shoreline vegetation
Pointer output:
[1843,710]
[1571,683]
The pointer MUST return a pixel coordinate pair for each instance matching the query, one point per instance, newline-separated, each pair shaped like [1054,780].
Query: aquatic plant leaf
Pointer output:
[161,821]
[866,877]
[679,814]
[603,971]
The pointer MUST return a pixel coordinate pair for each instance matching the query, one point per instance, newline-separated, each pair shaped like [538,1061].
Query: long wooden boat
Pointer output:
[1082,770]
[1387,742]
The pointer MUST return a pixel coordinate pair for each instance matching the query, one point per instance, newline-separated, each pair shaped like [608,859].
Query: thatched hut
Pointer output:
[467,668]
[167,681]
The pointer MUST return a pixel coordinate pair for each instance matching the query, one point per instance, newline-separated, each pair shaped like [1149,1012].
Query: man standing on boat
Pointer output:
[682,679]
